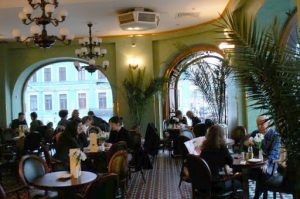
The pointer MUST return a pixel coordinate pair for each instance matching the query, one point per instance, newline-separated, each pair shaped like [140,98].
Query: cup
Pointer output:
[243,155]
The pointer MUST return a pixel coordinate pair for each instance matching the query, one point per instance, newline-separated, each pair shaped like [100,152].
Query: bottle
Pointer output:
[250,152]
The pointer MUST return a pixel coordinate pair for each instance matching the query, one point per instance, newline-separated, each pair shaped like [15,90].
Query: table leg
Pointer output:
[245,184]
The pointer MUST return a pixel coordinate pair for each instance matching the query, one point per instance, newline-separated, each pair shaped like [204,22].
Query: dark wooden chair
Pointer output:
[52,163]
[104,187]
[119,146]
[184,174]
[30,168]
[136,163]
[19,192]
[202,182]
[199,130]
[152,140]
[118,165]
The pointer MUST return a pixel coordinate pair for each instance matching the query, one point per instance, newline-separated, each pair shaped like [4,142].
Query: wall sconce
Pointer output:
[224,46]
[134,63]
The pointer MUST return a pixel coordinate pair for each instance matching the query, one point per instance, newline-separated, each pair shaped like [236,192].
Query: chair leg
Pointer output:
[180,181]
[143,176]
[274,194]
[281,196]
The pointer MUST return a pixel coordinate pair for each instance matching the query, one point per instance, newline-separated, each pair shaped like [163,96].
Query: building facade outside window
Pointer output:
[48,102]
[33,78]
[82,100]
[81,75]
[47,74]
[101,75]
[63,103]
[65,94]
[102,100]
[62,74]
[33,103]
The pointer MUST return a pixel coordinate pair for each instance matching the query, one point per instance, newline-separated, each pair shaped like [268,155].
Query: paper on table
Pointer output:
[93,142]
[192,144]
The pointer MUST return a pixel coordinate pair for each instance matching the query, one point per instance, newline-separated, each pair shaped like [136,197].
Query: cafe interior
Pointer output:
[151,99]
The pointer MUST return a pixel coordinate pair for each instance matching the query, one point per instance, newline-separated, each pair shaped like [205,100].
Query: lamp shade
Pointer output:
[15,33]
[92,62]
[22,16]
[49,8]
[27,10]
[35,29]
[63,31]
[63,13]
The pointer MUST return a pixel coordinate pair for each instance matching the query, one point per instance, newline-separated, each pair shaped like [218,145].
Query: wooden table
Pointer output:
[65,187]
[238,164]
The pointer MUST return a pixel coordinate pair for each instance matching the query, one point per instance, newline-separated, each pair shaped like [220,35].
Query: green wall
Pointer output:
[156,51]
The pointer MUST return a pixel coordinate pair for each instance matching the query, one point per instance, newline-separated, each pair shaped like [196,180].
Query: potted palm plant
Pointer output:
[270,73]
[211,81]
[138,92]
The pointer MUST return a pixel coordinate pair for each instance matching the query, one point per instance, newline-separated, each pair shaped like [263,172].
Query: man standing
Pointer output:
[99,122]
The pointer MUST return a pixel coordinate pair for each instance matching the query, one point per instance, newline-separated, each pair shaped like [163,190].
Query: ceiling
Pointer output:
[103,14]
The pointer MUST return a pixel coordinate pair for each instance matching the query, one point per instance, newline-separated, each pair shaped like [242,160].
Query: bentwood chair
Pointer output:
[119,146]
[104,187]
[19,192]
[30,168]
[184,174]
[202,182]
[118,165]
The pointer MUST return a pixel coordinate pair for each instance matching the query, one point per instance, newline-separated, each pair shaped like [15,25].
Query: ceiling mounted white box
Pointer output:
[138,19]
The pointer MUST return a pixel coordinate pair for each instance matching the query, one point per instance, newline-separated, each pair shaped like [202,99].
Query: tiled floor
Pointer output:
[162,182]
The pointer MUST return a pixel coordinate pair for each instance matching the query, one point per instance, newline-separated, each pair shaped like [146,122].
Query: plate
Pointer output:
[254,160]
[64,176]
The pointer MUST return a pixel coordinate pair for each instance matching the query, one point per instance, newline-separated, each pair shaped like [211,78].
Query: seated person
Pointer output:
[178,118]
[271,149]
[118,132]
[217,156]
[35,123]
[81,136]
[208,123]
[75,116]
[99,122]
[63,114]
[86,124]
[191,116]
[67,140]
[239,135]
[17,122]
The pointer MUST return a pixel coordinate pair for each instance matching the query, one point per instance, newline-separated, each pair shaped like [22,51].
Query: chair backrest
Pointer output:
[31,167]
[118,165]
[200,175]
[181,146]
[199,130]
[104,187]
[47,154]
[32,141]
[2,192]
[152,140]
[121,145]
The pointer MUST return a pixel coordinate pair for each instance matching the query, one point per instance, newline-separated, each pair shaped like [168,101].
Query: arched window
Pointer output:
[59,85]
[183,94]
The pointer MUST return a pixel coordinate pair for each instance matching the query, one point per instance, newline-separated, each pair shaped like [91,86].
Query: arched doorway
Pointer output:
[55,85]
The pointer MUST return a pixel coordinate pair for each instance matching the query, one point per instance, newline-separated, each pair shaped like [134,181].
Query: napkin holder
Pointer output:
[75,163]
[93,142]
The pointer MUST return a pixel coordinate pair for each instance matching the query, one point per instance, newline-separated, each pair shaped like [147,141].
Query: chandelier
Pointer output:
[40,20]
[90,50]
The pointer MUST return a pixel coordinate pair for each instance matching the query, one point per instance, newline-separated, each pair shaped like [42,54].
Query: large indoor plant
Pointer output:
[210,79]
[269,71]
[139,92]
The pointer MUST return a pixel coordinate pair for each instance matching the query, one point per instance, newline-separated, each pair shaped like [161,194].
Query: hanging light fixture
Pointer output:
[90,50]
[38,30]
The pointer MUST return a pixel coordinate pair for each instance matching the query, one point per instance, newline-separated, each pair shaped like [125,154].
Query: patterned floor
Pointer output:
[162,182]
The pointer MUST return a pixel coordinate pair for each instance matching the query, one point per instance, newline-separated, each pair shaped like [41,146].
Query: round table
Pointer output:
[52,181]
[243,166]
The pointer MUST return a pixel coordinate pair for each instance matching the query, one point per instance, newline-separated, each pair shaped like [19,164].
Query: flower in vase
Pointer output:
[258,140]
[78,155]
